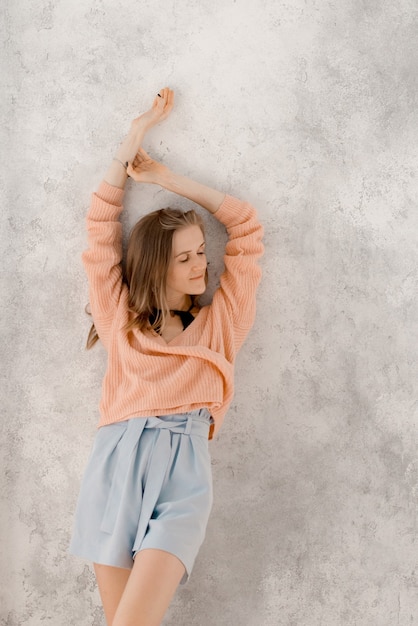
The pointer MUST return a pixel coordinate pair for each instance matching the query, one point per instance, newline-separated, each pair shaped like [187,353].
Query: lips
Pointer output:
[197,277]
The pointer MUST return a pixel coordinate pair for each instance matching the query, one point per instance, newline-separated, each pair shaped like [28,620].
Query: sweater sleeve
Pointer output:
[241,276]
[102,260]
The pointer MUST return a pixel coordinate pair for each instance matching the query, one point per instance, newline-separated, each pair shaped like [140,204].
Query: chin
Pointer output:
[197,291]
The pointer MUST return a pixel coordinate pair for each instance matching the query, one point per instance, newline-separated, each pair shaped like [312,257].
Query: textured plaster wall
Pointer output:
[308,109]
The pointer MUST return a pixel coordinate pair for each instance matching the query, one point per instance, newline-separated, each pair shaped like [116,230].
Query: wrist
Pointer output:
[130,146]
[170,181]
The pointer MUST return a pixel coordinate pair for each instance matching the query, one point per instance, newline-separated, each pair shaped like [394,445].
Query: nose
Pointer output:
[200,262]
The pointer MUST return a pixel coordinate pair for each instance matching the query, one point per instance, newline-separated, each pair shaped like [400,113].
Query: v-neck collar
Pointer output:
[178,339]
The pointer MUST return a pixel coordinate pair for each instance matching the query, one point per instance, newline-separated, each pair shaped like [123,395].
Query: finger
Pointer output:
[166,92]
[170,99]
[143,155]
[166,108]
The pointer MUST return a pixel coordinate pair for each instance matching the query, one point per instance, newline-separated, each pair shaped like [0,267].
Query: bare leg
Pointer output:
[111,582]
[151,586]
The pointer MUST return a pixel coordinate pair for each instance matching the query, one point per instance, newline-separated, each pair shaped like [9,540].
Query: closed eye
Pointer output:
[188,258]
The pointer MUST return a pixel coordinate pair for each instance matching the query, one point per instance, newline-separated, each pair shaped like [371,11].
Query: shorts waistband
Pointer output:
[193,422]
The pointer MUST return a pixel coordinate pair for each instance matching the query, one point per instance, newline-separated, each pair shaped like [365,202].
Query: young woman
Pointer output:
[147,490]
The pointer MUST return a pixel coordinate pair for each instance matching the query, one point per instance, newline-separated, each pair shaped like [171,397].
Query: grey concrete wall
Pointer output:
[308,109]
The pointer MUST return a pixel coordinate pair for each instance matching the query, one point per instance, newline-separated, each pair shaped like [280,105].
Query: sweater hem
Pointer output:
[146,413]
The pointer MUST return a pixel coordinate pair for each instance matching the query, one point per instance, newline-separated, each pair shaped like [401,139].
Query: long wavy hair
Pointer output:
[147,260]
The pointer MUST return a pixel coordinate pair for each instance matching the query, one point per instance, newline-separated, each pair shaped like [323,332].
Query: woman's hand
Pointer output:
[143,169]
[160,110]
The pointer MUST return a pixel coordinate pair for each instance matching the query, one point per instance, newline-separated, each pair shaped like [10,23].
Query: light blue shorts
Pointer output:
[148,484]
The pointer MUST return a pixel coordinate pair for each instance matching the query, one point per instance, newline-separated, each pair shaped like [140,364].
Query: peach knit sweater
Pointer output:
[145,375]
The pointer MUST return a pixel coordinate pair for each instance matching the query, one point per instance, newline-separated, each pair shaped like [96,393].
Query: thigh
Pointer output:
[152,583]
[111,582]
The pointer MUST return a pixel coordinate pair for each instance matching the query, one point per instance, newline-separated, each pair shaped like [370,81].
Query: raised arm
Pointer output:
[116,175]
[102,259]
[144,169]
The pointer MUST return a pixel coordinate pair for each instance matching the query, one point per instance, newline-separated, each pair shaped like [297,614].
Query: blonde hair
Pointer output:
[147,260]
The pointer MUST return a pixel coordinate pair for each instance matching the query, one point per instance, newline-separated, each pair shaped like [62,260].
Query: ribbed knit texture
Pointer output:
[145,375]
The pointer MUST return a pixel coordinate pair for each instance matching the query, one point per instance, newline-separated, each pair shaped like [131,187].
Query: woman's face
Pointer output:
[187,267]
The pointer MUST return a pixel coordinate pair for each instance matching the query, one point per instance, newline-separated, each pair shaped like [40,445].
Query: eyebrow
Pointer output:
[188,251]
